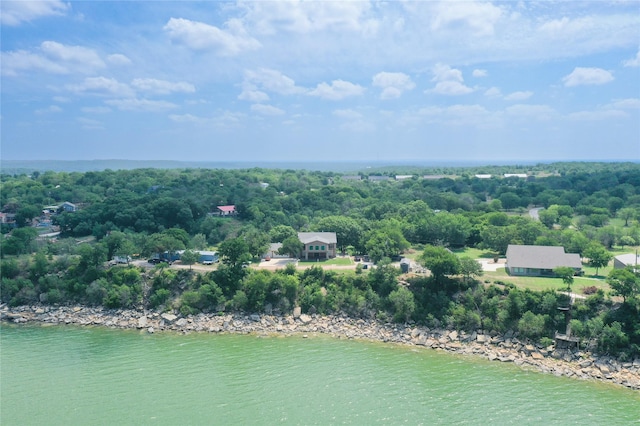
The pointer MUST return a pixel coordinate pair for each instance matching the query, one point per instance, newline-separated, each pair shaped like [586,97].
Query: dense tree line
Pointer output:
[587,209]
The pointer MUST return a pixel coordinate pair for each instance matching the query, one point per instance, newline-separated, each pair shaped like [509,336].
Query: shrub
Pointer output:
[546,341]
[590,290]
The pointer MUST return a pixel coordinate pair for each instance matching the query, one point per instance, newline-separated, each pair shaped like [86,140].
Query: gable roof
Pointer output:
[323,237]
[541,257]
[227,209]
[629,259]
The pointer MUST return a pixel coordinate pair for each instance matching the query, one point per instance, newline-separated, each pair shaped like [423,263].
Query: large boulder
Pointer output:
[306,319]
[168,317]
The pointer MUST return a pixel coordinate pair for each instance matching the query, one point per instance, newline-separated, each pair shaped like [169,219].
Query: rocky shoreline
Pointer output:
[502,348]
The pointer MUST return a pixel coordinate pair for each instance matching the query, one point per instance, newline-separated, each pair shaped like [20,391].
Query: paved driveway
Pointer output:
[489,265]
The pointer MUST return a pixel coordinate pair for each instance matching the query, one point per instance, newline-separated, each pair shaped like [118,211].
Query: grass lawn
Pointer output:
[544,283]
[341,261]
[474,253]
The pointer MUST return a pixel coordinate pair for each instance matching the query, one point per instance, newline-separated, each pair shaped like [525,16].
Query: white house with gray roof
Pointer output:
[539,260]
[318,245]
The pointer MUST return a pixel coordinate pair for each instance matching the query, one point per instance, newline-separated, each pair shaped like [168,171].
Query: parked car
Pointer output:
[155,260]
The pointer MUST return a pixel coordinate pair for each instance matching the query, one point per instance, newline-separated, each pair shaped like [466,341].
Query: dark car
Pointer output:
[154,261]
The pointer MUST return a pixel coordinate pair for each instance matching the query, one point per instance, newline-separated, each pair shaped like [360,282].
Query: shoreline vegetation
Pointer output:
[493,346]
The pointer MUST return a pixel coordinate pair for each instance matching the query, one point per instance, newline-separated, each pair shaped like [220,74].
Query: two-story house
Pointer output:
[318,245]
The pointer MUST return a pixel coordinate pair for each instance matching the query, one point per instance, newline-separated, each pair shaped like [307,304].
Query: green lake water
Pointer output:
[98,376]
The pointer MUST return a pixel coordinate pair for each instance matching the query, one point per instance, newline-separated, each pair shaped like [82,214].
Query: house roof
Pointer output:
[227,209]
[629,259]
[323,237]
[541,257]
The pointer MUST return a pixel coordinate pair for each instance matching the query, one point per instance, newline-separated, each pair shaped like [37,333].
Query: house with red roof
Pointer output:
[227,210]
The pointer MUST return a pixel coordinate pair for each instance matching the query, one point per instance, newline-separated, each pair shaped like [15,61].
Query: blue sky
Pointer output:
[321,81]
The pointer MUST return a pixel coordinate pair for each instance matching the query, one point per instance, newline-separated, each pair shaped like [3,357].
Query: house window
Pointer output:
[322,248]
[317,248]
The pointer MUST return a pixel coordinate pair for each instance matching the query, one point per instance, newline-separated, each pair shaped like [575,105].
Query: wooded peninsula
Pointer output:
[425,246]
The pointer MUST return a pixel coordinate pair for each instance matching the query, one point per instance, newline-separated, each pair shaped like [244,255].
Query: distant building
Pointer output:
[403,177]
[378,178]
[539,260]
[623,260]
[518,175]
[483,176]
[433,177]
[68,207]
[229,210]
[351,177]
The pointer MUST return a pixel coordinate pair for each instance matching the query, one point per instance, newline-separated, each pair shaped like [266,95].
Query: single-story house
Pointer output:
[205,257]
[539,260]
[227,210]
[378,178]
[624,260]
[68,207]
[318,245]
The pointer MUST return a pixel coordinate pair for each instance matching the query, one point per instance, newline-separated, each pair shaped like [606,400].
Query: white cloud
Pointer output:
[101,85]
[449,81]
[185,118]
[134,104]
[161,87]
[90,124]
[16,12]
[96,110]
[587,76]
[266,109]
[200,36]
[339,89]
[271,81]
[253,96]
[493,92]
[629,103]
[539,112]
[604,114]
[393,84]
[74,55]
[51,57]
[633,62]
[518,96]
[118,59]
[477,18]
[456,115]
[347,114]
[478,73]
[50,109]
[309,16]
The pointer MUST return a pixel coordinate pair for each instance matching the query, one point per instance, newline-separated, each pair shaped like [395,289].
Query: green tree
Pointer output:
[291,246]
[624,282]
[531,325]
[403,304]
[279,233]
[21,241]
[348,231]
[440,261]
[627,214]
[566,273]
[199,242]
[598,256]
[470,268]
[189,257]
[234,252]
